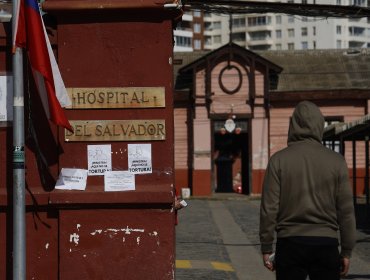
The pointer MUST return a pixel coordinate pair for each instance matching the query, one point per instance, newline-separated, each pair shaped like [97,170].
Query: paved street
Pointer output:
[218,239]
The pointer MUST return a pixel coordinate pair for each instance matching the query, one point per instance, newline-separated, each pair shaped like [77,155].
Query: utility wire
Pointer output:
[251,7]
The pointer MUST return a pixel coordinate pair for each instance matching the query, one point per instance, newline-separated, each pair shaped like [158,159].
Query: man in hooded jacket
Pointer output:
[307,200]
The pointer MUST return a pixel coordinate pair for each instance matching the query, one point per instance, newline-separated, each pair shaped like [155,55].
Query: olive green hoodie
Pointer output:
[306,189]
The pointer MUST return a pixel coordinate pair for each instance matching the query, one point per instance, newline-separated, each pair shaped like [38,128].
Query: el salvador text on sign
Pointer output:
[116,130]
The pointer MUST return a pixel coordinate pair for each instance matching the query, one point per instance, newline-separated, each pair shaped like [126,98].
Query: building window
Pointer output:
[183,41]
[260,35]
[217,25]
[217,39]
[278,46]
[339,44]
[240,36]
[290,46]
[208,26]
[304,45]
[207,40]
[339,2]
[314,31]
[196,13]
[238,22]
[197,28]
[278,33]
[184,25]
[304,31]
[356,31]
[255,21]
[291,32]
[197,44]
[360,3]
[290,19]
[339,29]
[278,19]
[314,45]
[304,1]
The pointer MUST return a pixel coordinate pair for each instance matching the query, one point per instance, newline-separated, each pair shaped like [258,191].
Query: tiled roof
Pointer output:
[310,69]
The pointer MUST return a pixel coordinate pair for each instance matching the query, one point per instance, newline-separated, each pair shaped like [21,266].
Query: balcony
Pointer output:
[266,41]
[183,33]
[238,37]
[259,38]
[184,26]
[357,44]
[187,17]
[239,28]
[267,27]
[259,47]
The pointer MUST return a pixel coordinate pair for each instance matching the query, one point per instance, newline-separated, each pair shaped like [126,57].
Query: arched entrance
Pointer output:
[231,158]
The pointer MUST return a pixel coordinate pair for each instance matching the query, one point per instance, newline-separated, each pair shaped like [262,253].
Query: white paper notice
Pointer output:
[119,181]
[99,159]
[6,98]
[139,158]
[72,179]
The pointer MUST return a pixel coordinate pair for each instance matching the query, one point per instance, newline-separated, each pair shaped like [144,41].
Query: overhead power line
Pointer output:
[251,7]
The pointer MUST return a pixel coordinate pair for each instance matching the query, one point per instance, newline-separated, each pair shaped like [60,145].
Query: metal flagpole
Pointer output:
[19,208]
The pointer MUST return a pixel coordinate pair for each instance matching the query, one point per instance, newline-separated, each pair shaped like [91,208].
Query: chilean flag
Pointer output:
[30,33]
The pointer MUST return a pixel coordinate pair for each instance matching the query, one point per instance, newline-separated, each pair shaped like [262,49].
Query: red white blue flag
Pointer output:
[30,33]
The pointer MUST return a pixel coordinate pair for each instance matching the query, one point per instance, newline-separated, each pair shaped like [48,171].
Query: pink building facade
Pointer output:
[232,110]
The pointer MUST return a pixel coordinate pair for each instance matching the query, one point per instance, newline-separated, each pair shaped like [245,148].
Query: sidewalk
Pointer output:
[217,238]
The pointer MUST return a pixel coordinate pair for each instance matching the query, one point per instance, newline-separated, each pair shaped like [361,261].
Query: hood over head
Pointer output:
[307,122]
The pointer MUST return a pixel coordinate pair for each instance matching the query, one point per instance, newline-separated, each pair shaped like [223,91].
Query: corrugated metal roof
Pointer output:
[305,70]
[182,59]
[322,69]
[354,130]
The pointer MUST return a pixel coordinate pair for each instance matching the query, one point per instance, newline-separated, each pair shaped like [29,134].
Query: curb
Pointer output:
[226,196]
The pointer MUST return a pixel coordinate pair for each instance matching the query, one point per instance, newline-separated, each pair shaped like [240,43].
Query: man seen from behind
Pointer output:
[307,202]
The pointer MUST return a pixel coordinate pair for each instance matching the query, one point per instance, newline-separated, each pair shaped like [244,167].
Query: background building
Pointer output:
[183,34]
[232,110]
[275,31]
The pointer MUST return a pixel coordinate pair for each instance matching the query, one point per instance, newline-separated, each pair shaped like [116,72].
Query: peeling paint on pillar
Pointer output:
[124,237]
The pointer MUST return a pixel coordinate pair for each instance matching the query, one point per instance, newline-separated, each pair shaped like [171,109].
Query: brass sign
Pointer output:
[116,130]
[124,97]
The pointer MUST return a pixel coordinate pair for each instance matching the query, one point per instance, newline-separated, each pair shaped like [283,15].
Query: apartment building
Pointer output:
[274,31]
[189,33]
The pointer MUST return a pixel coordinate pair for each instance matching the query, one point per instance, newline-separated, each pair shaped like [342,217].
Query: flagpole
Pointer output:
[19,207]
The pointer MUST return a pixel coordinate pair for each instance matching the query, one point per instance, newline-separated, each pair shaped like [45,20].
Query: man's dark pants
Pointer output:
[294,261]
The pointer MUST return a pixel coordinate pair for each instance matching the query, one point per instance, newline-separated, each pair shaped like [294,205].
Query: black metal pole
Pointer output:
[354,174]
[367,176]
